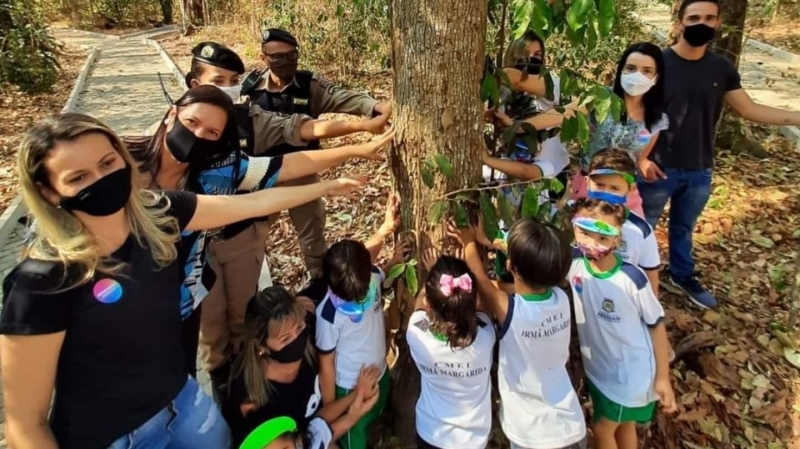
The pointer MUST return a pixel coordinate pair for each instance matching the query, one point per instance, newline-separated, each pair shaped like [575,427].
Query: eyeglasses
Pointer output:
[291,56]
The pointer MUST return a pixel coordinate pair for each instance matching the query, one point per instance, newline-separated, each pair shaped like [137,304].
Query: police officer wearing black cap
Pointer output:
[281,88]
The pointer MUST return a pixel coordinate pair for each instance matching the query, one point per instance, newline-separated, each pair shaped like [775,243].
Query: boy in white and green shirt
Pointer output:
[620,324]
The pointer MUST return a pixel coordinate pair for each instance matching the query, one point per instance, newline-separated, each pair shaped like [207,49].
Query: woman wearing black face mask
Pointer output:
[196,148]
[525,100]
[92,313]
[276,374]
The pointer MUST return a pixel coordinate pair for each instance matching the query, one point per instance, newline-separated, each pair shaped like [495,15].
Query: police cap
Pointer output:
[218,55]
[278,35]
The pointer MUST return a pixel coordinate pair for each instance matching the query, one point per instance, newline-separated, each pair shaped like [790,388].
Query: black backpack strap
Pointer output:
[251,81]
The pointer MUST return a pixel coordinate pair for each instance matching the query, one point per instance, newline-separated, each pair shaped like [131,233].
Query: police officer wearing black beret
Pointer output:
[282,88]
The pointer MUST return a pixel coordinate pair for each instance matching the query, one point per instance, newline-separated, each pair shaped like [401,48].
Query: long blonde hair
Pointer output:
[60,236]
[266,315]
[518,50]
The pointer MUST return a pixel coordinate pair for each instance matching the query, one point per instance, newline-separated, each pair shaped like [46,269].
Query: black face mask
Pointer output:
[293,351]
[285,70]
[105,197]
[698,35]
[186,147]
[531,65]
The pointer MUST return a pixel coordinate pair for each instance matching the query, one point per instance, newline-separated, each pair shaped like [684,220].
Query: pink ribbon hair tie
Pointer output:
[448,284]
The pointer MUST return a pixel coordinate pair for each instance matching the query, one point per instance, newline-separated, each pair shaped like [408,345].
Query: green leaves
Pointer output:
[490,226]
[521,17]
[530,201]
[437,211]
[411,279]
[578,13]
[490,91]
[409,271]
[444,165]
[506,209]
[427,176]
[607,16]
[461,216]
[542,19]
[396,271]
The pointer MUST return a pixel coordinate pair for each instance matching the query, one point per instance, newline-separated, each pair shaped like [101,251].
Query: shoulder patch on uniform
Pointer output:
[641,224]
[423,325]
[328,312]
[635,274]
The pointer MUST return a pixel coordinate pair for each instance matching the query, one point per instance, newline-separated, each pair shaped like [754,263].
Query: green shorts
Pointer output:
[358,435]
[610,410]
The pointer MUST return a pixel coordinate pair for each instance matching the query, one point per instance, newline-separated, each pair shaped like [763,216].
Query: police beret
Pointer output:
[219,56]
[278,35]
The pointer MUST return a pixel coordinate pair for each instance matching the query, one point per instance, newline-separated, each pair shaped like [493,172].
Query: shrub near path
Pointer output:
[734,387]
[19,111]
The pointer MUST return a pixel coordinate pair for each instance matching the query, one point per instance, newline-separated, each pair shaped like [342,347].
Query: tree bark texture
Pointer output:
[673,35]
[733,14]
[438,53]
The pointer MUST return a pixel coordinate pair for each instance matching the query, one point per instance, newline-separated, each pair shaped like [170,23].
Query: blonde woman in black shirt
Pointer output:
[93,311]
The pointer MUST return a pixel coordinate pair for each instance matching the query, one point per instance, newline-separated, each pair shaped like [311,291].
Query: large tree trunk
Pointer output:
[194,11]
[673,35]
[732,132]
[733,15]
[438,52]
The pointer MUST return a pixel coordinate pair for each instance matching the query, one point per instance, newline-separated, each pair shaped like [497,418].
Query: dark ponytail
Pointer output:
[452,316]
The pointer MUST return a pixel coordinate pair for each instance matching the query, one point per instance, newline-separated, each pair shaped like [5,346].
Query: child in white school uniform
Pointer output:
[539,407]
[620,323]
[452,344]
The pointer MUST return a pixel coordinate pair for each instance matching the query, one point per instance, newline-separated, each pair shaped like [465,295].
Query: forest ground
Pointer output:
[734,388]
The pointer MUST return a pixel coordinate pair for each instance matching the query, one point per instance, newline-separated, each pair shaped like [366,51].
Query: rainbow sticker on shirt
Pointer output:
[355,309]
[643,137]
[107,291]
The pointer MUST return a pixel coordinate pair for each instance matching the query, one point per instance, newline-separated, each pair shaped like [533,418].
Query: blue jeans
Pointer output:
[192,420]
[688,192]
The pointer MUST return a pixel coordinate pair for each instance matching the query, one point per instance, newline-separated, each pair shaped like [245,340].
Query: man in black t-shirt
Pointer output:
[680,166]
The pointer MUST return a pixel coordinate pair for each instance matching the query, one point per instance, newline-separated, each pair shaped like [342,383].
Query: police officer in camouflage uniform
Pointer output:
[282,88]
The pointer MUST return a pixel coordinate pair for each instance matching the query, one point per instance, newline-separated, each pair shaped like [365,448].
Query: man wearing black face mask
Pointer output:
[282,88]
[680,166]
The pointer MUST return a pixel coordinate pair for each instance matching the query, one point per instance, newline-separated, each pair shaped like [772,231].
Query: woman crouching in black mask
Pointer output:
[276,374]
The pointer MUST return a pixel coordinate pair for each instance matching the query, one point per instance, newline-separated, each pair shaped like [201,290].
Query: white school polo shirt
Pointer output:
[638,245]
[539,408]
[454,409]
[614,311]
[356,344]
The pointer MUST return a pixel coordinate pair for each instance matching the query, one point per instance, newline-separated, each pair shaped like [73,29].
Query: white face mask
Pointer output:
[635,84]
[233,91]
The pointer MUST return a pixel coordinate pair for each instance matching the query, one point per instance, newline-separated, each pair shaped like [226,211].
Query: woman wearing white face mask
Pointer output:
[640,83]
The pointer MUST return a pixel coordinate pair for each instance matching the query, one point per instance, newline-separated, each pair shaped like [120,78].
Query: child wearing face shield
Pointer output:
[612,179]
[639,82]
[614,302]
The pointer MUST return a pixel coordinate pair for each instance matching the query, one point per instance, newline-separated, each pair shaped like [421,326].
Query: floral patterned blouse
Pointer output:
[632,136]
